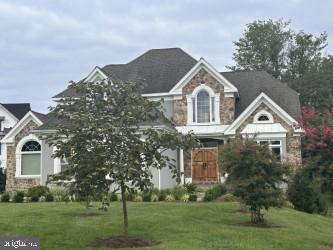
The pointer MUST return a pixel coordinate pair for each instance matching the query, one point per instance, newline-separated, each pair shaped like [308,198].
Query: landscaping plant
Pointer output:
[254,174]
[103,138]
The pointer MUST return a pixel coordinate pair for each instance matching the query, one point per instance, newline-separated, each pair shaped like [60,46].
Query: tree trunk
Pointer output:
[123,198]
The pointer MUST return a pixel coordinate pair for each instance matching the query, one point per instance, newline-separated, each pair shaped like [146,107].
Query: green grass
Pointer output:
[176,225]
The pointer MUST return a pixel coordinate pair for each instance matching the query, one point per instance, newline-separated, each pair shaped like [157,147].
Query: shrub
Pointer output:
[26,199]
[154,191]
[146,197]
[113,197]
[2,179]
[5,197]
[154,197]
[169,197]
[129,196]
[38,191]
[34,198]
[59,194]
[162,195]
[178,192]
[192,197]
[137,198]
[229,197]
[190,188]
[288,204]
[305,196]
[49,197]
[19,197]
[42,198]
[185,198]
[214,192]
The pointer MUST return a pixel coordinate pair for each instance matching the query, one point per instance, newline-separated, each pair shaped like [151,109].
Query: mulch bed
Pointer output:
[124,241]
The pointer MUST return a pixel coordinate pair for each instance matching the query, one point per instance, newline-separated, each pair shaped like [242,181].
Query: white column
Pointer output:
[189,109]
[181,164]
[217,108]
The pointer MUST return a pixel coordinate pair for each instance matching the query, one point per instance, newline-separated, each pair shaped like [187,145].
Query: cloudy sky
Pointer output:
[45,44]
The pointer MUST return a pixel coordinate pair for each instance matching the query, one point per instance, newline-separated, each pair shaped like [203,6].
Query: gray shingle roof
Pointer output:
[251,83]
[17,109]
[161,69]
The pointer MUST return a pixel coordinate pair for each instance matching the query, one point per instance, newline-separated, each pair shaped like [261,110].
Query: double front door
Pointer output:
[204,165]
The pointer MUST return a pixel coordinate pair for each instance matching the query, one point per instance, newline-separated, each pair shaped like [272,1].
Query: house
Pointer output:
[10,114]
[216,106]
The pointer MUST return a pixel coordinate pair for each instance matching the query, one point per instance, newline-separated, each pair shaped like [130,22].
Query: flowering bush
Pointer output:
[317,146]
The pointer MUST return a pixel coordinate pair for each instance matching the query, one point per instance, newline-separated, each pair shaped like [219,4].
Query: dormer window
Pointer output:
[263,117]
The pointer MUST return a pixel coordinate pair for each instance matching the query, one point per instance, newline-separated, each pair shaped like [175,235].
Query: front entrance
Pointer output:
[204,165]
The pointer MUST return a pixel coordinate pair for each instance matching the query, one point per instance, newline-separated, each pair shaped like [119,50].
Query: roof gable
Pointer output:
[18,110]
[262,98]
[9,138]
[203,64]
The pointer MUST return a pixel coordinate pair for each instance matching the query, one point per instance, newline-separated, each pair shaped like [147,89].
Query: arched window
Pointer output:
[30,158]
[203,107]
[263,117]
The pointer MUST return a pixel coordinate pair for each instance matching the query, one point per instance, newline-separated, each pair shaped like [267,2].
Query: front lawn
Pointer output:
[176,225]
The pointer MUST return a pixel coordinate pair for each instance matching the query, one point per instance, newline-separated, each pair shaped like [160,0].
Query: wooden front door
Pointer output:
[204,165]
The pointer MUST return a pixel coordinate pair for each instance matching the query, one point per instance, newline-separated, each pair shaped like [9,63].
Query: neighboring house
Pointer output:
[215,106]
[10,114]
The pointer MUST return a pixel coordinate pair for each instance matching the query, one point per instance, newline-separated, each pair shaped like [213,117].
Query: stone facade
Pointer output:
[293,149]
[227,104]
[13,183]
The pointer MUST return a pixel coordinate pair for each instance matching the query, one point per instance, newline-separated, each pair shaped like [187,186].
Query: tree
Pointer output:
[318,146]
[263,47]
[254,174]
[116,137]
[316,85]
[273,47]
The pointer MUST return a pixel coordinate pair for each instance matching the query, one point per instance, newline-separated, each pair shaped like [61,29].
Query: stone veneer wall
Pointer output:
[227,104]
[12,183]
[294,155]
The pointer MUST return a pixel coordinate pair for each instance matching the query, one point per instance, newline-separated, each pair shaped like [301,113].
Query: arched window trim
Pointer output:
[18,172]
[214,103]
[263,113]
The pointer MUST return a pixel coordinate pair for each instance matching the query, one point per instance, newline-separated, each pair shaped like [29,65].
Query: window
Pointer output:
[203,108]
[263,117]
[63,164]
[30,158]
[274,146]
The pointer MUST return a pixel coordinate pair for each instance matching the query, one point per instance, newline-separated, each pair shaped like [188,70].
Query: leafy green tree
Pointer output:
[272,46]
[254,174]
[263,46]
[116,136]
[316,85]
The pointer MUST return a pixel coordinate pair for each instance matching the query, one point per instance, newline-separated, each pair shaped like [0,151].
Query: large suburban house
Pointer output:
[216,106]
[10,115]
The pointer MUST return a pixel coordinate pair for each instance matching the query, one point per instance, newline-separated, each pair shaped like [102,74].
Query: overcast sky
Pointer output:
[45,44]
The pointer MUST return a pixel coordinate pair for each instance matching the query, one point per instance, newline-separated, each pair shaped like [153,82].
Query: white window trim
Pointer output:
[18,172]
[211,94]
[270,146]
[263,112]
